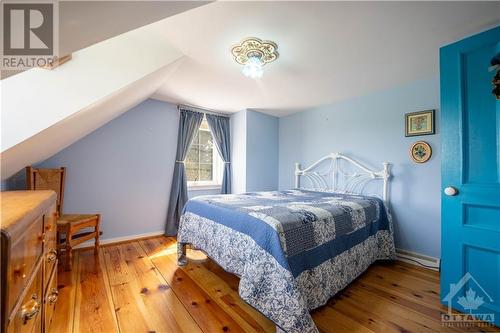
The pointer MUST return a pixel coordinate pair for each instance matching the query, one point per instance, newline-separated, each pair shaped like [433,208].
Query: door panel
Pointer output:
[470,127]
[480,131]
[474,256]
[481,216]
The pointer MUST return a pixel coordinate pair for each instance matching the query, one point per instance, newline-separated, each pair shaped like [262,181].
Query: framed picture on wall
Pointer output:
[420,123]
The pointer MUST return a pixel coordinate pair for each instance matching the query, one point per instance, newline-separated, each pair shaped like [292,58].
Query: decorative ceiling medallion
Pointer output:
[254,47]
[253,54]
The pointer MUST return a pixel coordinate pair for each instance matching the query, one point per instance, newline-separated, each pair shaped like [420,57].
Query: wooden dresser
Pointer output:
[29,261]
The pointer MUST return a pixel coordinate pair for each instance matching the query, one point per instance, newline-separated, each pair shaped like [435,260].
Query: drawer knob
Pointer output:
[52,256]
[54,295]
[30,309]
[20,270]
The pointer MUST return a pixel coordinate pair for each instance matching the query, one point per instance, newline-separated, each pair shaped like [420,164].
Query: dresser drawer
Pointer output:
[50,301]
[28,233]
[24,254]
[28,312]
[50,245]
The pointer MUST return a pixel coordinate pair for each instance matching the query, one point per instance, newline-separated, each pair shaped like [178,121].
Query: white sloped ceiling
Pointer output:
[62,134]
[44,111]
[329,50]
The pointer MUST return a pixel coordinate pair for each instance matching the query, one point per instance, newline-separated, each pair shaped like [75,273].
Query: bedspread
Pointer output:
[292,250]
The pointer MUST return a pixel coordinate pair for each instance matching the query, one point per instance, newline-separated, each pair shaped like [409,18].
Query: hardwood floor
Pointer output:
[137,287]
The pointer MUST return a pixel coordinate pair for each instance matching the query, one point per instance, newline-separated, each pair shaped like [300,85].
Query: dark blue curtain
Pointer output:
[219,126]
[189,123]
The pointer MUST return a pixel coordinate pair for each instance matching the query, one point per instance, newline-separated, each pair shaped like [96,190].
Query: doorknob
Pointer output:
[450,191]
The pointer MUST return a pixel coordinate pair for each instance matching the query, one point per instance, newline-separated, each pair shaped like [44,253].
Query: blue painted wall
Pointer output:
[124,170]
[238,125]
[254,151]
[262,158]
[372,128]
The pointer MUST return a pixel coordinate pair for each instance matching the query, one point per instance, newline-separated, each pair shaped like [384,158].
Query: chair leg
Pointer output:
[97,232]
[58,244]
[69,248]
[69,257]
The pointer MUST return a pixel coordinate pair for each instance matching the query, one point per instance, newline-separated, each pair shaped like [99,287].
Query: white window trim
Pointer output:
[202,187]
[217,172]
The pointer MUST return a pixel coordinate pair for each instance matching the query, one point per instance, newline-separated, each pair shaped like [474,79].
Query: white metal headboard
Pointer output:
[353,183]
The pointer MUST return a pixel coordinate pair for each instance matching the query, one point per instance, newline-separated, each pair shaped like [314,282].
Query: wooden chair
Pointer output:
[69,226]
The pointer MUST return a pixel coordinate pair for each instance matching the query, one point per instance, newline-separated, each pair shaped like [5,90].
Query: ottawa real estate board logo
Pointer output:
[470,297]
[29,34]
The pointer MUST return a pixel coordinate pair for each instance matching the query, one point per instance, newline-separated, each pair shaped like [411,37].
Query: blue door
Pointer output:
[470,167]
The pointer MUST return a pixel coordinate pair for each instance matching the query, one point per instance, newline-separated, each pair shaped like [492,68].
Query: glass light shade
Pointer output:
[253,68]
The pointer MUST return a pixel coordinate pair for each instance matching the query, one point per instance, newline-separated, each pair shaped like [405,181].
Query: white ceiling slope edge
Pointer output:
[64,133]
[36,99]
[83,23]
[329,51]
[45,111]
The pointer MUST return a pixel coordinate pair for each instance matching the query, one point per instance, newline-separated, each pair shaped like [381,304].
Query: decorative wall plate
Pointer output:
[420,152]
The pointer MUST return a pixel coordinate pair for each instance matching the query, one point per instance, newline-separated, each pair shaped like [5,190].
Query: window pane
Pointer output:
[206,154]
[191,171]
[199,159]
[193,154]
[204,124]
[195,140]
[205,137]
[206,147]
[206,172]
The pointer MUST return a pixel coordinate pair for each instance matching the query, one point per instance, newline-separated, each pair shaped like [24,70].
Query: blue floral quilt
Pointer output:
[293,250]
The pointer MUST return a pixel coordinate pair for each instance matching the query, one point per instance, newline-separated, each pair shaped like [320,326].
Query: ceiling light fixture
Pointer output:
[253,54]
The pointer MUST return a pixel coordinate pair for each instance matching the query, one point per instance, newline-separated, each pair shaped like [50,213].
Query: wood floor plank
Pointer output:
[206,312]
[403,316]
[366,318]
[404,286]
[228,298]
[246,316]
[93,305]
[143,301]
[411,278]
[142,282]
[405,280]
[329,320]
[389,296]
[405,268]
[223,288]
[65,306]
[230,279]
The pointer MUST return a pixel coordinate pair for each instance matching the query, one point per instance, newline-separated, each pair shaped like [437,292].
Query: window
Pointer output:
[203,163]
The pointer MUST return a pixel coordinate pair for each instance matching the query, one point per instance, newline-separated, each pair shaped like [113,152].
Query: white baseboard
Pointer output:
[105,241]
[418,259]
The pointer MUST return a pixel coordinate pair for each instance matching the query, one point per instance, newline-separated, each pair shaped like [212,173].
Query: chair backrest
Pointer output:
[47,179]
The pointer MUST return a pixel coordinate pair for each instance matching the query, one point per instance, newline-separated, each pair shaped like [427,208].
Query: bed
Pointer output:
[293,250]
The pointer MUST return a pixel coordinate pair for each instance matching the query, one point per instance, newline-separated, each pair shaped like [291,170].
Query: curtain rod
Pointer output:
[194,108]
